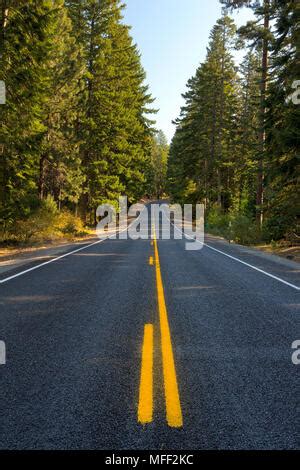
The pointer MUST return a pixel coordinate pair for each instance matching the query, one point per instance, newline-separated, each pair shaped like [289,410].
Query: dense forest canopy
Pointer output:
[75,127]
[77,130]
[236,146]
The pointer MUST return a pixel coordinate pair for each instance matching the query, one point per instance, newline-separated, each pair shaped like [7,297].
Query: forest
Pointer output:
[236,146]
[77,128]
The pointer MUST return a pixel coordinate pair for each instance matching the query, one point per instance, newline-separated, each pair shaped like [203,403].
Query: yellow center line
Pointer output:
[151,260]
[173,407]
[145,409]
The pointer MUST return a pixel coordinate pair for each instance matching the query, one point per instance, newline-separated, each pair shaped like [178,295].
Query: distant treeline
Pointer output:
[236,147]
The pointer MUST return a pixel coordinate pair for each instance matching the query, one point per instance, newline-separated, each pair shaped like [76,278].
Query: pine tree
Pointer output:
[205,132]
[60,172]
[259,35]
[282,127]
[245,167]
[236,132]
[75,124]
[115,131]
[158,169]
[41,70]
[22,68]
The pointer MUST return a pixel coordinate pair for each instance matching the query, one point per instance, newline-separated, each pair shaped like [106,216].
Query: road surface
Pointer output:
[219,361]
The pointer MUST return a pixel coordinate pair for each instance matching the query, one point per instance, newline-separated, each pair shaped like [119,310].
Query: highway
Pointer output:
[141,344]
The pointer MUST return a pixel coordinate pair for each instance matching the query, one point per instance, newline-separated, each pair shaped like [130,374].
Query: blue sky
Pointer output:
[172,36]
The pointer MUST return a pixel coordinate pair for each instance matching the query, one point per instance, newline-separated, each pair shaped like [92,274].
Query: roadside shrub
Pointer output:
[244,230]
[280,225]
[45,223]
[69,224]
[218,223]
[236,227]
[39,224]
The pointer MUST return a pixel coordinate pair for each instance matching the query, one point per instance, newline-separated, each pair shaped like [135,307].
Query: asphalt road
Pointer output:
[74,330]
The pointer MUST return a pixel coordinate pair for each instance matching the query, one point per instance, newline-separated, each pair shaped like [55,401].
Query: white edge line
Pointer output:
[60,257]
[239,260]
[254,267]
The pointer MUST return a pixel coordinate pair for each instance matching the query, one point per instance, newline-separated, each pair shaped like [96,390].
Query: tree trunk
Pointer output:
[219,188]
[83,207]
[4,16]
[220,133]
[84,199]
[212,147]
[262,135]
[42,177]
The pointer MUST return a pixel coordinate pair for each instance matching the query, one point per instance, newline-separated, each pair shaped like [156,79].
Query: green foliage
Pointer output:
[235,227]
[282,219]
[157,168]
[244,230]
[44,222]
[282,128]
[39,225]
[75,124]
[116,134]
[68,224]
[202,151]
[236,145]
[217,222]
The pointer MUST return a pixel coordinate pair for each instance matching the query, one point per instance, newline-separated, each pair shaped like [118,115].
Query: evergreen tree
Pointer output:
[236,141]
[60,166]
[282,127]
[259,32]
[116,133]
[41,69]
[157,177]
[75,124]
[205,134]
[23,48]
[245,161]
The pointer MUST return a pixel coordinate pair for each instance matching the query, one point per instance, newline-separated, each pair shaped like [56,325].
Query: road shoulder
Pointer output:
[258,252]
[10,260]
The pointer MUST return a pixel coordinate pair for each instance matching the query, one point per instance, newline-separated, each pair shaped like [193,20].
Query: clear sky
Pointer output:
[172,36]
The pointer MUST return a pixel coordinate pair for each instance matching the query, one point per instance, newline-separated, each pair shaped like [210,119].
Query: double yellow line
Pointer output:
[173,407]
